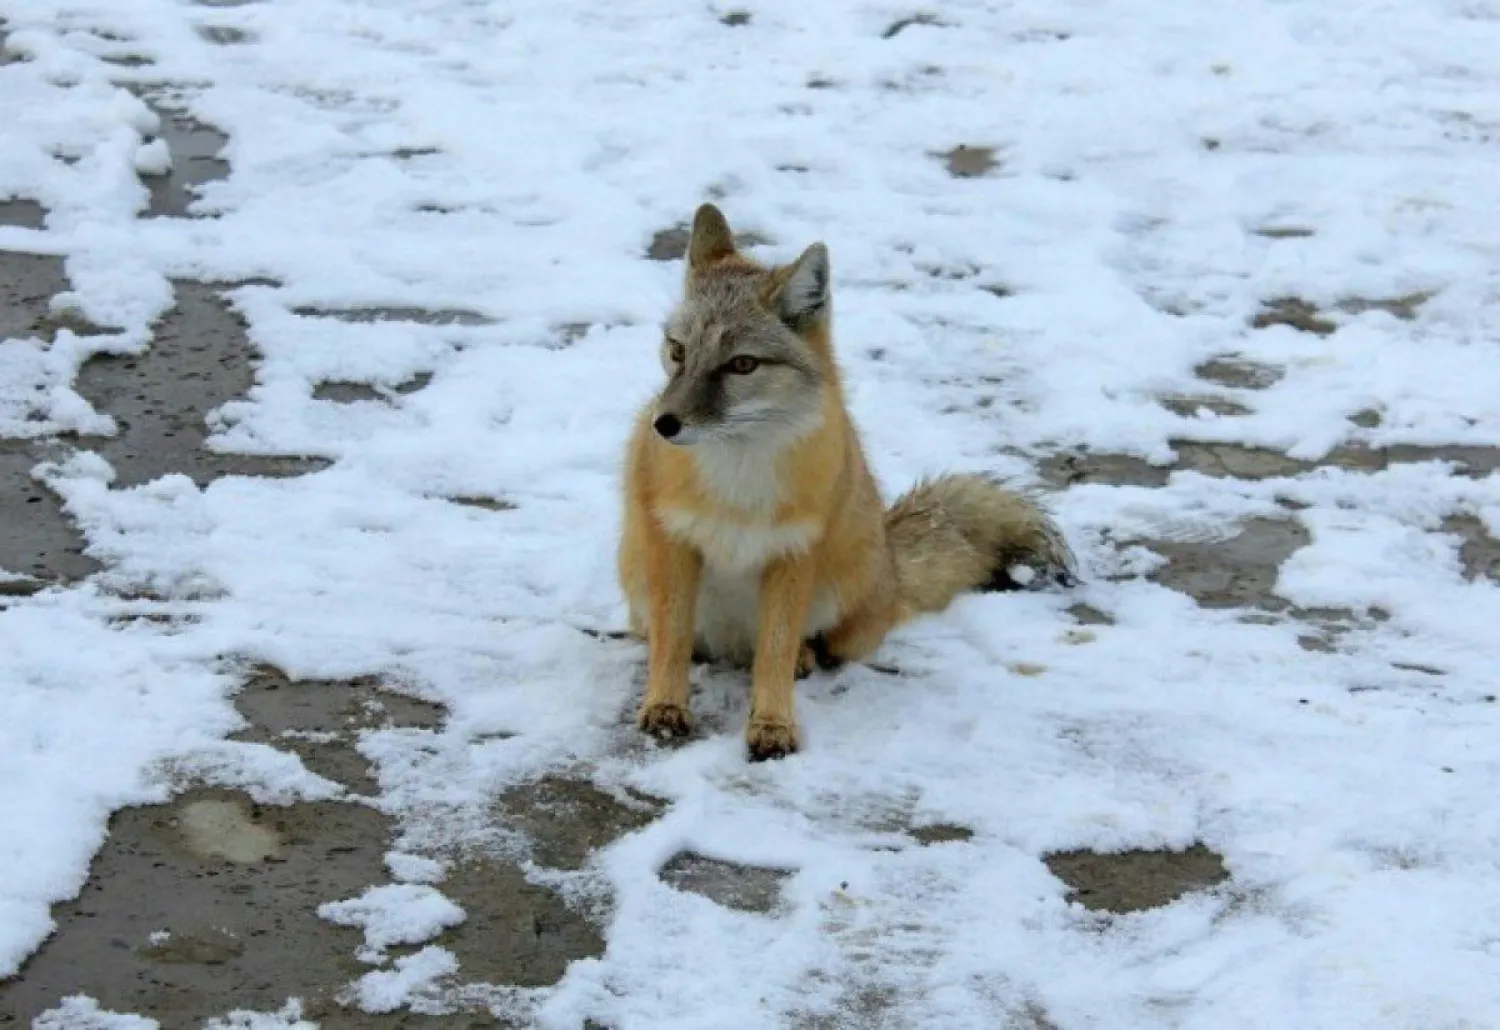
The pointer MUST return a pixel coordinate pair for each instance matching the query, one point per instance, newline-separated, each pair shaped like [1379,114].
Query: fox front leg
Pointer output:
[785,593]
[673,570]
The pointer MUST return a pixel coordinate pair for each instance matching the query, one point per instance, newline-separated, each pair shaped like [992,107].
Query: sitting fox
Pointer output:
[753,531]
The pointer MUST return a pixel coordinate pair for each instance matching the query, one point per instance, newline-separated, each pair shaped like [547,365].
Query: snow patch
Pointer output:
[398,913]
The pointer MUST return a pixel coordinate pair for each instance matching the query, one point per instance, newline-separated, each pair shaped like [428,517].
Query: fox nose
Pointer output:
[668,425]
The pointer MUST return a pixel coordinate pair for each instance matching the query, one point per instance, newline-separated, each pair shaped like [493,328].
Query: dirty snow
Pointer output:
[1144,149]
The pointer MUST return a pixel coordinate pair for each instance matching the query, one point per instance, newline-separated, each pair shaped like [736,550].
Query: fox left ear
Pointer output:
[710,239]
[805,291]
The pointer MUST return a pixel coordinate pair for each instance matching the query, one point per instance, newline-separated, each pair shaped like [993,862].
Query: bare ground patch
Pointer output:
[1075,467]
[1479,552]
[1283,232]
[22,213]
[744,887]
[226,35]
[483,502]
[37,539]
[342,391]
[321,721]
[28,282]
[1237,372]
[517,932]
[1137,880]
[199,359]
[195,147]
[1293,312]
[969,162]
[568,819]
[1192,405]
[1234,460]
[1302,315]
[1236,573]
[941,833]
[1240,462]
[208,903]
[900,25]
[378,313]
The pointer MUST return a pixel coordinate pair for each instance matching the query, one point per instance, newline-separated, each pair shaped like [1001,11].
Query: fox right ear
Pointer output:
[711,239]
[804,288]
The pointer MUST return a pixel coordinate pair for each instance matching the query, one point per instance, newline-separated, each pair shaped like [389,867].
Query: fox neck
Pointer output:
[752,475]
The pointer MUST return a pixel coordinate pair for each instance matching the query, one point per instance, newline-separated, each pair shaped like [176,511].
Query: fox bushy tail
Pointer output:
[958,533]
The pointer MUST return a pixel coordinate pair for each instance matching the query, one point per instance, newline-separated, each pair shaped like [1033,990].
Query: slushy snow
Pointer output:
[1162,170]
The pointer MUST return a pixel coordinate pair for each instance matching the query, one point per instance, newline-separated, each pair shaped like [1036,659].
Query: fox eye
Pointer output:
[675,351]
[742,364]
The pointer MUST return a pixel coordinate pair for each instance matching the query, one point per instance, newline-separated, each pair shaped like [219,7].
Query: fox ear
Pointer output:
[805,293]
[711,239]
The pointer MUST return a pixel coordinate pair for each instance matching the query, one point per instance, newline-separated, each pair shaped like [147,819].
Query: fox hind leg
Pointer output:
[857,634]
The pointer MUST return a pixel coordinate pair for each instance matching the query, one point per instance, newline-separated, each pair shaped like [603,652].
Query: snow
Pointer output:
[83,1013]
[288,1017]
[79,1012]
[414,868]
[385,990]
[1142,146]
[397,913]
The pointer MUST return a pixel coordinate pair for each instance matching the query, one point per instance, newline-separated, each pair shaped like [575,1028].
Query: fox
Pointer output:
[754,534]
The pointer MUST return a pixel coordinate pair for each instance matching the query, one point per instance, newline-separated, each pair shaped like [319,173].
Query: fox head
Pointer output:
[745,349]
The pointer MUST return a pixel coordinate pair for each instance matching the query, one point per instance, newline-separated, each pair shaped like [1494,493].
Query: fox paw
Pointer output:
[665,721]
[807,660]
[770,738]
[823,654]
[816,654]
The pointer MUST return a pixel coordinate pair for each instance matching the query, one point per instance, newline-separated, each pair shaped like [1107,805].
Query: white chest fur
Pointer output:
[742,535]
[740,476]
[731,546]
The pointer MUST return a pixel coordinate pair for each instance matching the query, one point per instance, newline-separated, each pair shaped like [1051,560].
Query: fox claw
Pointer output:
[665,721]
[769,740]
